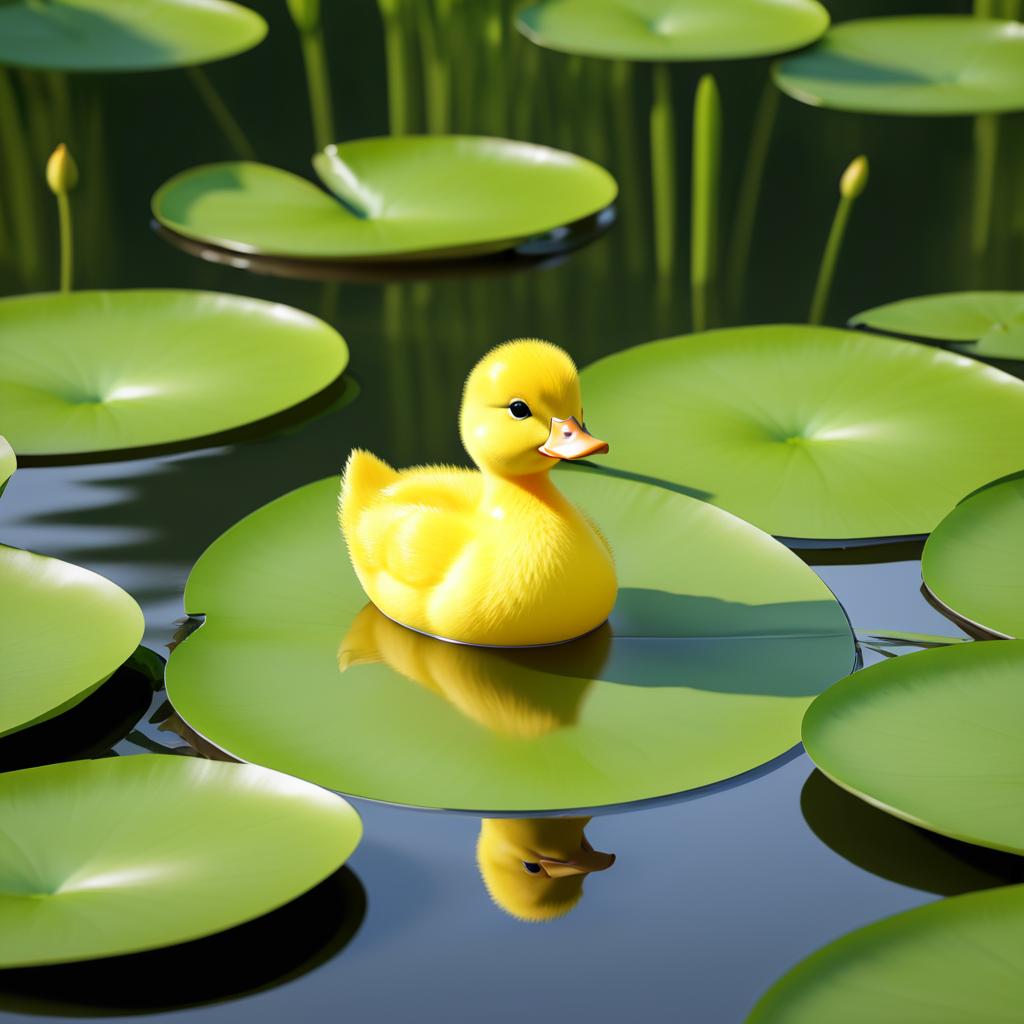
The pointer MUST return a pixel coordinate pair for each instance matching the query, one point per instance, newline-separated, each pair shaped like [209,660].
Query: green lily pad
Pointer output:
[960,959]
[673,30]
[115,35]
[985,324]
[933,738]
[395,197]
[809,432]
[973,563]
[127,854]
[105,372]
[720,638]
[8,463]
[932,64]
[63,631]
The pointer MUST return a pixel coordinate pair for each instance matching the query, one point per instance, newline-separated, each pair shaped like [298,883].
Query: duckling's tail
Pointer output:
[362,479]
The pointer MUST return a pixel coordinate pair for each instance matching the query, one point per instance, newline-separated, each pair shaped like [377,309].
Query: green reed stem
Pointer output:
[750,193]
[663,170]
[221,113]
[67,256]
[986,159]
[707,159]
[318,84]
[394,52]
[435,71]
[18,179]
[984,8]
[851,185]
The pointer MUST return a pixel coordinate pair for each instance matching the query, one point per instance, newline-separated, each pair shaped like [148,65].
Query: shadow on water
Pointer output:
[276,948]
[89,729]
[898,851]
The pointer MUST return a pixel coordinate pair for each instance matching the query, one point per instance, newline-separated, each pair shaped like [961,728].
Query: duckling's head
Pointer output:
[534,867]
[522,410]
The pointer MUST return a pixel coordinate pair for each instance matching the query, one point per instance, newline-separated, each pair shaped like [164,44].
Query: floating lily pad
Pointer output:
[956,960]
[63,631]
[973,563]
[210,845]
[119,35]
[934,738]
[8,463]
[719,640]
[809,432]
[934,64]
[395,197]
[104,372]
[673,30]
[985,324]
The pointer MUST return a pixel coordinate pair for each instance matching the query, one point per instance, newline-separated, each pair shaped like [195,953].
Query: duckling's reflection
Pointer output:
[508,691]
[534,868]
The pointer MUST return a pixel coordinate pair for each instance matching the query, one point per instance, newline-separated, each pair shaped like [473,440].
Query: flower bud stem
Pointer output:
[66,241]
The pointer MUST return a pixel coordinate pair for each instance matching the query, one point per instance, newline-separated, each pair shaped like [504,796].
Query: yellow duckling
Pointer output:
[506,692]
[497,557]
[534,867]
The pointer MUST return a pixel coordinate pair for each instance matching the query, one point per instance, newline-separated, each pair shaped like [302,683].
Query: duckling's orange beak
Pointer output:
[584,863]
[568,440]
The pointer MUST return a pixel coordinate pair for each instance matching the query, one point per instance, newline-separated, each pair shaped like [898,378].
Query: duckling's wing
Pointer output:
[419,524]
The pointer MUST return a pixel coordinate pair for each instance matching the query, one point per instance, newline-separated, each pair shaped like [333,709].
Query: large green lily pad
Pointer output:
[63,631]
[985,324]
[673,30]
[99,372]
[973,563]
[934,738]
[126,854]
[809,432]
[719,640]
[961,959]
[395,197]
[934,64]
[122,35]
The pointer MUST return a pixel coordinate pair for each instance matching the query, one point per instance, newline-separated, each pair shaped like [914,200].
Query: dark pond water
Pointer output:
[710,898]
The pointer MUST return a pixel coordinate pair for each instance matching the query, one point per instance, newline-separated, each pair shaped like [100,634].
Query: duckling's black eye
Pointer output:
[520,411]
[534,869]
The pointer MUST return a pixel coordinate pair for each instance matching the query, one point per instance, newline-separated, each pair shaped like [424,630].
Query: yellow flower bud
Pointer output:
[61,171]
[855,178]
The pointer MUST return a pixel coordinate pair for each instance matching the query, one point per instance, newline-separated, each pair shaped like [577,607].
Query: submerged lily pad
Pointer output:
[956,960]
[105,372]
[973,563]
[673,30]
[985,324]
[63,631]
[809,432]
[934,738]
[719,640]
[210,845]
[931,64]
[394,197]
[121,35]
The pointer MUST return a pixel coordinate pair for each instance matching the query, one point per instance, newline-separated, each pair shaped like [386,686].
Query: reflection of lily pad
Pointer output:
[210,845]
[974,561]
[102,372]
[719,640]
[431,196]
[122,35]
[917,65]
[985,324]
[961,959]
[673,30]
[63,631]
[809,432]
[934,738]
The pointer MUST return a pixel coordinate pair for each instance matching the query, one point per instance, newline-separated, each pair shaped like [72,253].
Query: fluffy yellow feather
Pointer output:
[496,557]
